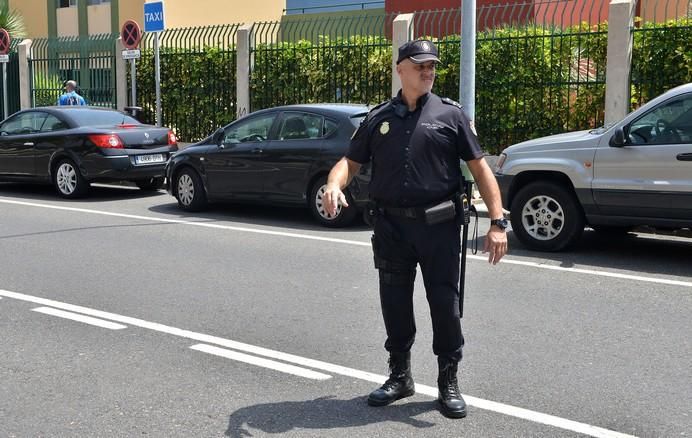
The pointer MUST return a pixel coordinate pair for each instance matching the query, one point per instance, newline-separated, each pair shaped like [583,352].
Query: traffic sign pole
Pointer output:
[4,91]
[131,35]
[133,77]
[158,79]
[5,41]
[154,22]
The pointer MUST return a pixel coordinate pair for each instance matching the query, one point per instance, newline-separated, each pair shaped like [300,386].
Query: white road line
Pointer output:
[266,363]
[501,408]
[80,318]
[505,260]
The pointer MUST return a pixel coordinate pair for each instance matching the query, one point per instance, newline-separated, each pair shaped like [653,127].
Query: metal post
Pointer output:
[467,67]
[133,77]
[158,79]
[467,78]
[5,111]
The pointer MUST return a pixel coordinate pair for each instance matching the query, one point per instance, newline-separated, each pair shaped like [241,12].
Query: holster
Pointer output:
[442,212]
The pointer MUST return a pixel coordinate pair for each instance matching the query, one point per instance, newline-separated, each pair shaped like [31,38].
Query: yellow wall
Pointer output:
[131,10]
[35,15]
[99,18]
[186,13]
[68,22]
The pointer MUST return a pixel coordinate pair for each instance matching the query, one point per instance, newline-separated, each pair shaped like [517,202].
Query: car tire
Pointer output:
[546,216]
[189,191]
[68,181]
[343,217]
[150,184]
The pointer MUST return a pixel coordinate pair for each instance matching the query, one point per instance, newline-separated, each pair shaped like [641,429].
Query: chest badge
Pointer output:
[473,128]
[384,128]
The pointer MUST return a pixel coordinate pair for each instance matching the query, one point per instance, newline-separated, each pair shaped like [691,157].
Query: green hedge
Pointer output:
[197,90]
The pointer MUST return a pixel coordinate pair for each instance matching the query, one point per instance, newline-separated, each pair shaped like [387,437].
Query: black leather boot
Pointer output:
[399,384]
[451,402]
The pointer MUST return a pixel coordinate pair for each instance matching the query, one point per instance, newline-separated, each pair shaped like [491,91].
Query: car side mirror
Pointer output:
[217,137]
[618,138]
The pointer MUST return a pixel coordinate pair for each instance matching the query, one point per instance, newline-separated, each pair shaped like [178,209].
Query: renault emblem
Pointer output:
[146,135]
[384,128]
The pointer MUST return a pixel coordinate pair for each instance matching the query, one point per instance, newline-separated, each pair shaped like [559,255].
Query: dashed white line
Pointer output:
[261,362]
[81,318]
[506,260]
[526,414]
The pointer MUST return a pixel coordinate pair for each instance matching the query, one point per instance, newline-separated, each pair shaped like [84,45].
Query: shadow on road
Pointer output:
[295,218]
[644,253]
[97,193]
[324,413]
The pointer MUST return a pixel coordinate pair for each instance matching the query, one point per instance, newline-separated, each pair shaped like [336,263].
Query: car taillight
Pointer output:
[171,138]
[106,141]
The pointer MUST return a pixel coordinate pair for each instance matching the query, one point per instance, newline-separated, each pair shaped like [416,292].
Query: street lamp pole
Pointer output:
[467,61]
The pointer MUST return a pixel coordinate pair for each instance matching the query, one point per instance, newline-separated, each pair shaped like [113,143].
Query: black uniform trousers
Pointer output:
[399,244]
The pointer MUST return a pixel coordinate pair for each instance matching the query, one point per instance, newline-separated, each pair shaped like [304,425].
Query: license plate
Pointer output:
[149,159]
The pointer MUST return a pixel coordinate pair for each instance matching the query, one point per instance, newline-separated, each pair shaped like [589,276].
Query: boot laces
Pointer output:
[452,388]
[390,384]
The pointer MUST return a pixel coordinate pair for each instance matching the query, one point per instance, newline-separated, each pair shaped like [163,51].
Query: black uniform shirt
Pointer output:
[415,155]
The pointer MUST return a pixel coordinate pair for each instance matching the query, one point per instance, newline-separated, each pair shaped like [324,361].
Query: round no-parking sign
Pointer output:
[131,34]
[5,41]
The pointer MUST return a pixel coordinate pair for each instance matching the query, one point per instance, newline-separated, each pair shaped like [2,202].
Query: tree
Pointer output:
[12,21]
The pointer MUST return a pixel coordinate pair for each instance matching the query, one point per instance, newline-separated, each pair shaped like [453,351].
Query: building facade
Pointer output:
[59,18]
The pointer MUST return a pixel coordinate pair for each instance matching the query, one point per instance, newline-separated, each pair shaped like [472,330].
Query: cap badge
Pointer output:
[425,45]
[384,128]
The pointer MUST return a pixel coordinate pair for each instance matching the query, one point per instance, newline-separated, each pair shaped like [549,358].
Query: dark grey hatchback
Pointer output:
[278,156]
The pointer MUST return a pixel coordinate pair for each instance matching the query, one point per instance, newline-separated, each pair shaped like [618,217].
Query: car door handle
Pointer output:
[684,157]
[29,143]
[257,151]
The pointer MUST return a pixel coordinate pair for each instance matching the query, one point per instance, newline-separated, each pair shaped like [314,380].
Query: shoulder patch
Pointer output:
[449,101]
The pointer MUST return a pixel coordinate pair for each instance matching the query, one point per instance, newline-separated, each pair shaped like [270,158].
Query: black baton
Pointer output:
[466,207]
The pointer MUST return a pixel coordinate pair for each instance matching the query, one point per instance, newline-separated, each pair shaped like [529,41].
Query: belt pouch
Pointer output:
[442,212]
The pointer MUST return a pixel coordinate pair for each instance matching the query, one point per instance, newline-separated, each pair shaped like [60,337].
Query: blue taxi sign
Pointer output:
[153,17]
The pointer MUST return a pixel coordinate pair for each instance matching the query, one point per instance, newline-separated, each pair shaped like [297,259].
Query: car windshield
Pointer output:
[101,118]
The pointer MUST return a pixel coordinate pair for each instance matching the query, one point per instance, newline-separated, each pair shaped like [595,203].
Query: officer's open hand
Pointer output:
[333,196]
[495,245]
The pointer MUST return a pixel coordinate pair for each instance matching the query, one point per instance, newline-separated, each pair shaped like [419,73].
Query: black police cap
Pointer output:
[418,51]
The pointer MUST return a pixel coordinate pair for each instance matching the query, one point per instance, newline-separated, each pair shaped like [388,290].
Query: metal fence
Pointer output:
[540,69]
[662,54]
[90,61]
[198,79]
[332,59]
[12,68]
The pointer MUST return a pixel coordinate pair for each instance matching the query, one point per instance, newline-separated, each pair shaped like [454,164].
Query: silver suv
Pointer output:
[635,172]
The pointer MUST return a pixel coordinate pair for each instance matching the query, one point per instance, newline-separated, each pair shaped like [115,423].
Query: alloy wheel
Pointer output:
[66,178]
[543,217]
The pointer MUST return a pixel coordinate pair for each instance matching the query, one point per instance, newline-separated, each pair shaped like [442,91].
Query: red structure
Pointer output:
[494,13]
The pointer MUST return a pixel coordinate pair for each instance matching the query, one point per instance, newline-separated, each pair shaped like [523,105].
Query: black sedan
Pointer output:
[278,156]
[72,146]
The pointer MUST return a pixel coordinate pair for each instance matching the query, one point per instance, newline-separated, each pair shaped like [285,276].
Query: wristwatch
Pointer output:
[501,223]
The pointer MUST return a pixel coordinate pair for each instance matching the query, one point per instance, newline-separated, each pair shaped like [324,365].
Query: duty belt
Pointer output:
[409,213]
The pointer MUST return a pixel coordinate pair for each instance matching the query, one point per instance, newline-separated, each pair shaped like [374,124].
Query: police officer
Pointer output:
[414,142]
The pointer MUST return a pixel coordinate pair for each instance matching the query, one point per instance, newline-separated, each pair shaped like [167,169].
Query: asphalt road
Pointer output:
[254,321]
